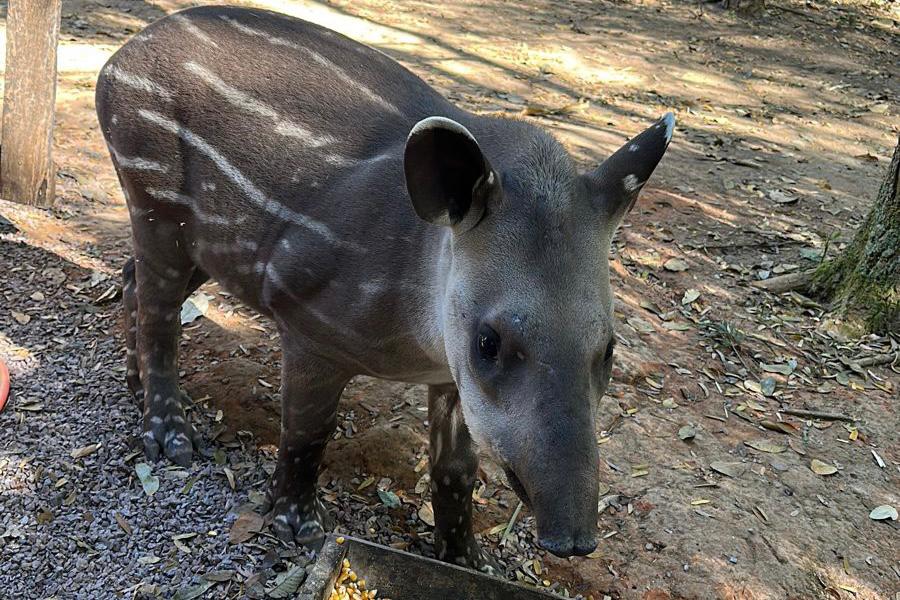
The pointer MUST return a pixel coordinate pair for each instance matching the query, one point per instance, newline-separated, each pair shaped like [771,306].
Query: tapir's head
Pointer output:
[527,312]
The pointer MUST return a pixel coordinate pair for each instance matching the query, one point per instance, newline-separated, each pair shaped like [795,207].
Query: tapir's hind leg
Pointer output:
[162,274]
[310,390]
[453,469]
[130,306]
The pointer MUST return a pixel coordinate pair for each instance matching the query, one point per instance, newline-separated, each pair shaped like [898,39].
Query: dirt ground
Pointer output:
[786,122]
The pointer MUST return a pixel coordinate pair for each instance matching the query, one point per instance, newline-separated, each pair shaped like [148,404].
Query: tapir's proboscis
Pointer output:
[386,232]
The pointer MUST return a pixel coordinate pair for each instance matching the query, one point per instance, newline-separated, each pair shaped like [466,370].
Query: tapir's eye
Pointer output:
[488,343]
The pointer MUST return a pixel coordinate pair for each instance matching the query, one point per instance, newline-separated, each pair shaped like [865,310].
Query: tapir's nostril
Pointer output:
[564,546]
[561,546]
[584,546]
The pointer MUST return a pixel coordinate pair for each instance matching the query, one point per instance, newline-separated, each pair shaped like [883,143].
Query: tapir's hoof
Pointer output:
[304,524]
[167,431]
[472,557]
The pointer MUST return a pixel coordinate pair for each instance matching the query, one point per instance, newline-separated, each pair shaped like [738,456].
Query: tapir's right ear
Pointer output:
[448,178]
[616,183]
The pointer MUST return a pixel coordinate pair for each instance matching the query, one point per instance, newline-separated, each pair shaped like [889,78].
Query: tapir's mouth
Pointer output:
[516,485]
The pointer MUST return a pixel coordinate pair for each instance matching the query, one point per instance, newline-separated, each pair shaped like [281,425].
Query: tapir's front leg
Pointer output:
[453,467]
[310,390]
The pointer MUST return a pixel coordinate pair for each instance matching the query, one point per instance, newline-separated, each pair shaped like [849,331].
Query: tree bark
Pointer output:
[26,164]
[863,283]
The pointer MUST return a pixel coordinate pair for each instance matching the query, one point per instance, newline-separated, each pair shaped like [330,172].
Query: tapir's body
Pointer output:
[277,158]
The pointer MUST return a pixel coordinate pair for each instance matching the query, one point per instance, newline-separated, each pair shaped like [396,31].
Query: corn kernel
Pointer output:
[340,540]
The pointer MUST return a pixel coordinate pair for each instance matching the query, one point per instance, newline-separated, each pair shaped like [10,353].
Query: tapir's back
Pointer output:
[249,130]
[268,79]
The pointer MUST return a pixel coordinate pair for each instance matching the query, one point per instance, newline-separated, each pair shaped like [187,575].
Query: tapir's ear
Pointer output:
[616,183]
[448,178]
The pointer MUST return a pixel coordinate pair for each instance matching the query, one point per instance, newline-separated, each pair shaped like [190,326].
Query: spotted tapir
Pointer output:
[386,232]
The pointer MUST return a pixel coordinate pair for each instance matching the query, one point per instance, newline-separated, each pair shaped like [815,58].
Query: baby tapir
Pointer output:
[386,232]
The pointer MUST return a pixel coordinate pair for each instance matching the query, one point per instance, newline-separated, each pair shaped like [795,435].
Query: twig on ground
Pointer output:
[786,283]
[816,414]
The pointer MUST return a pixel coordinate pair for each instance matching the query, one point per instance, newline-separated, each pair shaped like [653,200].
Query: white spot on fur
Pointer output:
[631,183]
[241,180]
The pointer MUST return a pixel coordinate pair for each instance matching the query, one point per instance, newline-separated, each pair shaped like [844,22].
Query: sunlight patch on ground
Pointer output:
[354,27]
[72,57]
[13,353]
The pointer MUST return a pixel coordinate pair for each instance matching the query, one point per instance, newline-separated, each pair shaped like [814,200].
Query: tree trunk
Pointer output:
[863,283]
[26,164]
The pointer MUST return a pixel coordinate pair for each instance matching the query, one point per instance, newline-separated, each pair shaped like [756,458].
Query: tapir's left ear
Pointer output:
[616,183]
[448,178]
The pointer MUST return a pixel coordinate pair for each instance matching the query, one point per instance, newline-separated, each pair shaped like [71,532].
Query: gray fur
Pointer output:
[300,170]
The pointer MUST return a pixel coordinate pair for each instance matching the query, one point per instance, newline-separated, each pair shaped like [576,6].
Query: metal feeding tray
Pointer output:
[403,576]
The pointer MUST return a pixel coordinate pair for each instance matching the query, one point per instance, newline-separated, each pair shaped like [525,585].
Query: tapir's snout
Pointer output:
[557,475]
[565,546]
[568,526]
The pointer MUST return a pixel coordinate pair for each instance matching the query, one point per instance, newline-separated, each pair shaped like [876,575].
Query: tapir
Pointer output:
[386,232]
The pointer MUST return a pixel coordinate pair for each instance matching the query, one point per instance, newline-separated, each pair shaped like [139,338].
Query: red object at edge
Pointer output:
[4,385]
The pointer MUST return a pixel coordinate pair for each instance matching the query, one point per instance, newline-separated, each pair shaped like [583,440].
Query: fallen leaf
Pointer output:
[149,482]
[687,433]
[193,591]
[287,583]
[194,308]
[219,576]
[44,516]
[247,525]
[426,513]
[779,197]
[389,498]
[640,325]
[765,445]
[767,386]
[883,512]
[782,368]
[731,469]
[84,451]
[755,405]
[822,468]
[675,264]
[21,318]
[422,484]
[689,296]
[229,475]
[177,539]
[779,426]
[669,403]
[122,523]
